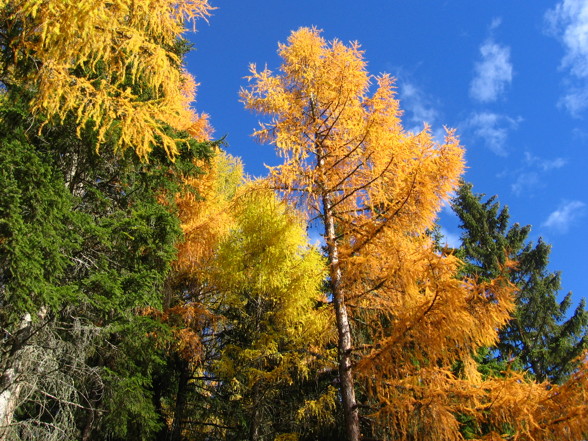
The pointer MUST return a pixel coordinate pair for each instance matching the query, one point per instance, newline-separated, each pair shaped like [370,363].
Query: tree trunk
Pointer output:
[10,379]
[255,417]
[10,388]
[181,401]
[164,432]
[350,409]
[88,426]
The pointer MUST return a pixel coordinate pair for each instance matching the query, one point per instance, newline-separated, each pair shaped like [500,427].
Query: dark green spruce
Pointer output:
[544,337]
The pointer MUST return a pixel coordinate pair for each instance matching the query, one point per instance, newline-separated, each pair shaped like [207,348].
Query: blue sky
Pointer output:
[510,76]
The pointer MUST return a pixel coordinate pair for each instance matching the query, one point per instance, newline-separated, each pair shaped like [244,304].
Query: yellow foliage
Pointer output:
[266,270]
[246,266]
[206,217]
[338,140]
[321,410]
[512,406]
[287,437]
[539,411]
[111,65]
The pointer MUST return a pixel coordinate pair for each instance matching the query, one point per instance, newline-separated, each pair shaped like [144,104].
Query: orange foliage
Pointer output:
[510,406]
[205,220]
[206,216]
[185,320]
[404,318]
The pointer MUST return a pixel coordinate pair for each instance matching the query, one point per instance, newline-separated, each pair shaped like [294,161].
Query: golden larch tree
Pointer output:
[405,321]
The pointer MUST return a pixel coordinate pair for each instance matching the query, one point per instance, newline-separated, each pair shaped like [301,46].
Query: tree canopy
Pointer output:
[115,66]
[87,238]
[542,337]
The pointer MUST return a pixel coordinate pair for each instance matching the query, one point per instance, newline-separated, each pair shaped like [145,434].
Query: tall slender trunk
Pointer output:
[347,385]
[10,388]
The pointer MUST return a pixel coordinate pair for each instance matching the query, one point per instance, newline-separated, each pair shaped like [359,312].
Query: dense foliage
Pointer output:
[149,291]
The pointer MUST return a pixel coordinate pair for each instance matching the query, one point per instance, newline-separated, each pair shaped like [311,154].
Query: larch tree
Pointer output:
[184,385]
[542,337]
[405,320]
[273,331]
[376,189]
[114,65]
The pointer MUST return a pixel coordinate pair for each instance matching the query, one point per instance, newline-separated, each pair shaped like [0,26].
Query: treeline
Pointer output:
[149,291]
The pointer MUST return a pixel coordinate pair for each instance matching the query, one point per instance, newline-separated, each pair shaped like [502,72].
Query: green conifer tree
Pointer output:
[542,337]
[87,237]
[85,242]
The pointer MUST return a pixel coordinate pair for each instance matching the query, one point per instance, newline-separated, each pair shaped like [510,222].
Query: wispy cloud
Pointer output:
[567,213]
[493,73]
[419,107]
[568,22]
[575,100]
[496,22]
[544,164]
[531,175]
[493,129]
[526,181]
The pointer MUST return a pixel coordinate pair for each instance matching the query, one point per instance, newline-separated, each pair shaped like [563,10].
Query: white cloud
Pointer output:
[525,181]
[544,164]
[568,22]
[575,100]
[493,128]
[496,22]
[493,72]
[418,106]
[532,174]
[562,218]
[580,134]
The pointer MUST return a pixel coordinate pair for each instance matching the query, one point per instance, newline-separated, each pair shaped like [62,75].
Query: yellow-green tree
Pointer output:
[243,302]
[404,319]
[273,328]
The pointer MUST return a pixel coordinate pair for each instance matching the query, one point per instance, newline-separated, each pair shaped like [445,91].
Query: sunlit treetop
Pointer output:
[339,130]
[115,65]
